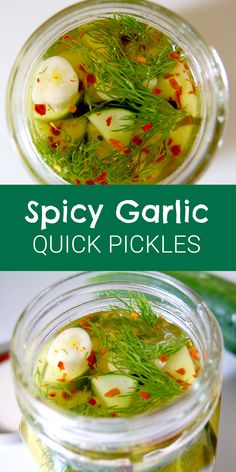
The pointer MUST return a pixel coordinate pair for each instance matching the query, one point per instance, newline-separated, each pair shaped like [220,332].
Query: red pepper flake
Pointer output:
[104,182]
[73,108]
[164,358]
[101,177]
[174,84]
[193,354]
[65,395]
[181,371]
[113,392]
[145,395]
[189,120]
[147,127]
[104,351]
[55,144]
[186,386]
[82,68]
[61,380]
[66,36]
[90,182]
[60,365]
[74,390]
[40,109]
[52,395]
[137,140]
[113,414]
[160,159]
[134,315]
[156,91]
[91,79]
[170,142]
[78,182]
[55,131]
[127,151]
[92,401]
[176,150]
[92,359]
[109,120]
[116,144]
[146,151]
[178,94]
[4,357]
[173,55]
[135,178]
[141,59]
[85,323]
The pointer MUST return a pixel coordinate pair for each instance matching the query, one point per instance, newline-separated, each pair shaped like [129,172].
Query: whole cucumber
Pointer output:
[220,296]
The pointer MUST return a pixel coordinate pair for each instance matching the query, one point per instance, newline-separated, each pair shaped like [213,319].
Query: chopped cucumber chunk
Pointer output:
[114,390]
[63,132]
[180,365]
[112,124]
[179,86]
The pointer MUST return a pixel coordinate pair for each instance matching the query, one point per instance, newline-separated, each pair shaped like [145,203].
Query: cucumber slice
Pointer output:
[178,361]
[180,77]
[111,124]
[62,132]
[105,386]
[220,295]
[102,148]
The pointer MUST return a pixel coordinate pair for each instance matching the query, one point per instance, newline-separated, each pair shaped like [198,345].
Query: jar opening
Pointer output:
[89,292]
[205,66]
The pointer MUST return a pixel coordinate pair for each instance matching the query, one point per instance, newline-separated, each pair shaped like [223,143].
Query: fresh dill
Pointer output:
[136,302]
[131,340]
[124,55]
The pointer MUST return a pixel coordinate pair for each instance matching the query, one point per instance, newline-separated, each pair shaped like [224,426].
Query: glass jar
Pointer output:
[179,437]
[204,62]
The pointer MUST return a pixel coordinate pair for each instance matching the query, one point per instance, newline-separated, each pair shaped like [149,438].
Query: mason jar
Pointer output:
[205,65]
[179,437]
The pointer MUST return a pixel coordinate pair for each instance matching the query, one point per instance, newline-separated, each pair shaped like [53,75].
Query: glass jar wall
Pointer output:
[204,63]
[179,437]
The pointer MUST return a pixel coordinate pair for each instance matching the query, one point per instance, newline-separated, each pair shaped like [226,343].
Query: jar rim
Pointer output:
[176,416]
[205,58]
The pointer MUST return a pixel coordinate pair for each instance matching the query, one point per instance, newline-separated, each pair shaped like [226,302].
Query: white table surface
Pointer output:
[215,19]
[17,288]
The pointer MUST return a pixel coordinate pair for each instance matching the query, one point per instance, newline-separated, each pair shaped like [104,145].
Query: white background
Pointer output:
[215,20]
[17,288]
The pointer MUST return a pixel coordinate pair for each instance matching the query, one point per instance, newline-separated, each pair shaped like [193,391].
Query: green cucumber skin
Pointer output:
[220,296]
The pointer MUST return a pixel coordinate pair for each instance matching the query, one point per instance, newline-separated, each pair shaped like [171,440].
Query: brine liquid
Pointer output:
[135,114]
[135,362]
[130,360]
